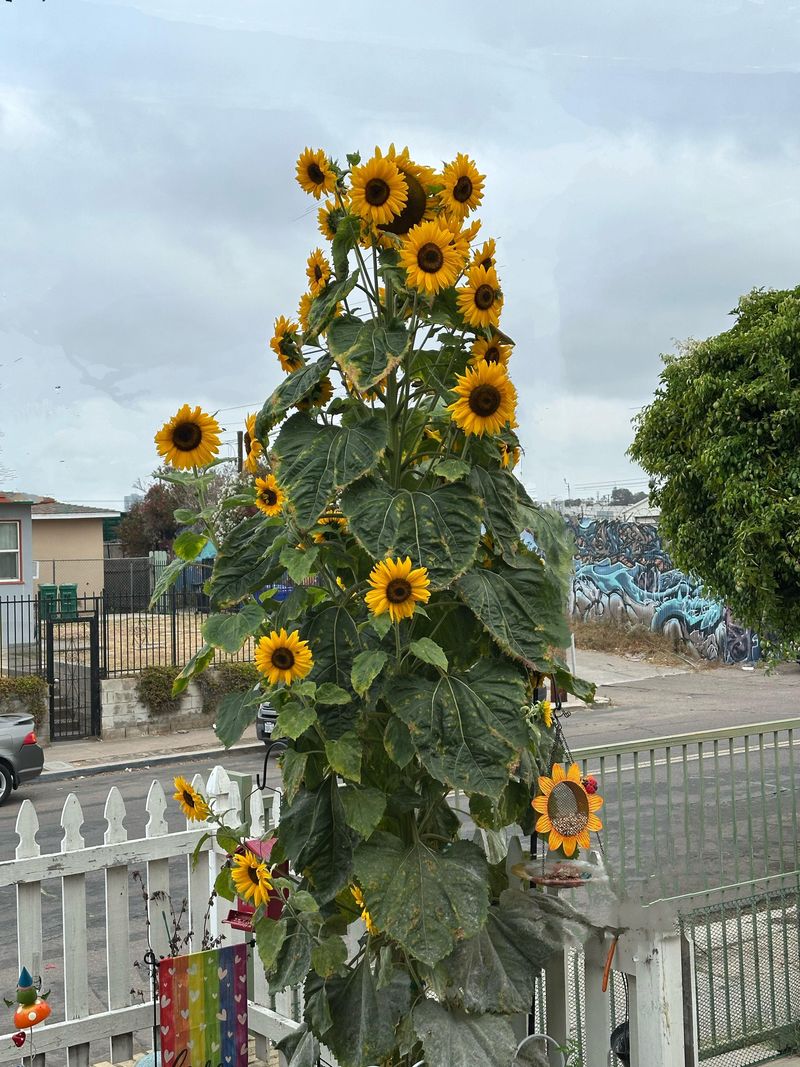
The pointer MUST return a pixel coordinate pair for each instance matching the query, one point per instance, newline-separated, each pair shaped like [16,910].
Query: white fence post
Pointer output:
[73,912]
[597,1003]
[659,1002]
[29,900]
[158,909]
[117,924]
[556,1000]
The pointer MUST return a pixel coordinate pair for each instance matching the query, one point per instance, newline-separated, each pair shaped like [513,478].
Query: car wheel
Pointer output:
[6,783]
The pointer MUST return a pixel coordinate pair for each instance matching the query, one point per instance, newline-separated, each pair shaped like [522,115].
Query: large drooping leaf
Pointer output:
[294,387]
[245,563]
[364,1017]
[467,728]
[553,538]
[424,900]
[451,1038]
[315,462]
[520,606]
[366,352]
[497,489]
[497,969]
[300,1048]
[439,529]
[317,839]
[363,807]
[235,713]
[294,956]
[230,630]
[335,641]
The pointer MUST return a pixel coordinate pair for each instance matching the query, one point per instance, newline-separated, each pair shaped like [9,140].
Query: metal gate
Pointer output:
[72,643]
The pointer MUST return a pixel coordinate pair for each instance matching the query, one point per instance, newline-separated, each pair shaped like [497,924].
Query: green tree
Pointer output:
[720,441]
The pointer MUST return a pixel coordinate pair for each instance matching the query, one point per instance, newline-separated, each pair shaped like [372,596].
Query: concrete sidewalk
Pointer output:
[92,755]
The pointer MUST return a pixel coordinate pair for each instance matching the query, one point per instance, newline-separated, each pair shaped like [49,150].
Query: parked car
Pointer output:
[21,755]
[265,724]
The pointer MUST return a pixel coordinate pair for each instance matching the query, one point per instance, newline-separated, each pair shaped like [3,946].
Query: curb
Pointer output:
[145,761]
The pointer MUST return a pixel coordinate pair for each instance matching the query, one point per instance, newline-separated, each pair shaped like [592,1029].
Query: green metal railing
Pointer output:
[697,811]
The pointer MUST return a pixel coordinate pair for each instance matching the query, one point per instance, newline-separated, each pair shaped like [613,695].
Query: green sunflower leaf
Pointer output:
[300,1048]
[328,693]
[452,470]
[497,488]
[429,652]
[334,640]
[196,665]
[293,961]
[397,742]
[294,387]
[270,935]
[366,668]
[235,713]
[299,564]
[167,577]
[439,529]
[316,462]
[369,353]
[521,607]
[497,969]
[363,808]
[293,770]
[424,900]
[444,309]
[230,630]
[323,307]
[467,728]
[364,1017]
[451,1038]
[245,563]
[294,719]
[316,838]
[328,956]
[438,367]
[348,231]
[344,756]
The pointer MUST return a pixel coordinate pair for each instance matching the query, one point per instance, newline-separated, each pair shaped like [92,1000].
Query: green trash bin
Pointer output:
[68,601]
[48,601]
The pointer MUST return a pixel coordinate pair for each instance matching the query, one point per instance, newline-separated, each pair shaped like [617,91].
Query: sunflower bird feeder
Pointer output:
[403,663]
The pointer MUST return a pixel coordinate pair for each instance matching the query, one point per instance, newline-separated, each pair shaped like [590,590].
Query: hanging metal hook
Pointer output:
[261,780]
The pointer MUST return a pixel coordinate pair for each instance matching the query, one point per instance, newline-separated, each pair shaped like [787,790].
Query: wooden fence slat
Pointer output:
[73,911]
[221,798]
[158,905]
[56,1037]
[117,925]
[29,900]
[197,880]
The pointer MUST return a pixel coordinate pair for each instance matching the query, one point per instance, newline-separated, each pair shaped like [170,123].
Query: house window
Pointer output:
[10,562]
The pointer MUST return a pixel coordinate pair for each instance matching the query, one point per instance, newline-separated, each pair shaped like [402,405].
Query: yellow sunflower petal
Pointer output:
[594,824]
[546,785]
[558,773]
[543,825]
[595,802]
[574,774]
[555,840]
[540,803]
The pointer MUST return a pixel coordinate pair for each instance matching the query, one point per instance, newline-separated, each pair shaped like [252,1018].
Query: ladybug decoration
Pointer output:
[31,1007]
[590,784]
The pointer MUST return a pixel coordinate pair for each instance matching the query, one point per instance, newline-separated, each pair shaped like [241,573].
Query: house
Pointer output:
[68,545]
[16,567]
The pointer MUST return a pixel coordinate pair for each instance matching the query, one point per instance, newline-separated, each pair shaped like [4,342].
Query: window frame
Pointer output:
[19,580]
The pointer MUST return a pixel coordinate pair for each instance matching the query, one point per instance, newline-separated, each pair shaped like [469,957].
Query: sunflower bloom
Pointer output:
[463,186]
[509,455]
[484,257]
[480,300]
[418,179]
[378,191]
[486,399]
[566,810]
[430,259]
[546,709]
[318,397]
[329,216]
[397,587]
[189,439]
[270,498]
[194,807]
[283,657]
[285,344]
[252,877]
[252,445]
[318,272]
[303,308]
[358,897]
[333,522]
[314,173]
[491,351]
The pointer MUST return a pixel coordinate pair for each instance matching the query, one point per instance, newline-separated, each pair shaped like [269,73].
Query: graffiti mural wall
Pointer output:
[623,571]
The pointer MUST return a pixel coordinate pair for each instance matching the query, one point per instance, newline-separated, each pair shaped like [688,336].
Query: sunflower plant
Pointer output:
[403,665]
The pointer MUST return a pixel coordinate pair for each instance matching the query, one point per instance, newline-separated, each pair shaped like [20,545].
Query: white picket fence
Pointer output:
[651,960]
[33,874]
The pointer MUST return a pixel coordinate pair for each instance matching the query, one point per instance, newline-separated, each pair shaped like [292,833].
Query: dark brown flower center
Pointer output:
[484,297]
[398,590]
[252,874]
[187,436]
[188,799]
[315,173]
[492,354]
[484,400]
[270,497]
[283,658]
[248,441]
[568,809]
[414,211]
[376,192]
[430,258]
[317,272]
[486,263]
[462,190]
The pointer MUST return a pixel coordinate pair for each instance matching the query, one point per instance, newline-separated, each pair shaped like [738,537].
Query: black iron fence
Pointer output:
[131,635]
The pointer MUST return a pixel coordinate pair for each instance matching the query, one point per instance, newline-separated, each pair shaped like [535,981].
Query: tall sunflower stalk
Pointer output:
[404,662]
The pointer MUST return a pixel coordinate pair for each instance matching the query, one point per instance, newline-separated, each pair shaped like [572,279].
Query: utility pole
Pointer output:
[239,450]
[569,494]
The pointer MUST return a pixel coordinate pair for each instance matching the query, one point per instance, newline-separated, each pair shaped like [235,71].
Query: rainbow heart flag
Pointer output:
[202,1001]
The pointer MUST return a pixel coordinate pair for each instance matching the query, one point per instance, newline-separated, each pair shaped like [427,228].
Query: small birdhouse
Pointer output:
[241,917]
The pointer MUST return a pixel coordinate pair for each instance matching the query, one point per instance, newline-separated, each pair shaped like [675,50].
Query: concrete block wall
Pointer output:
[124,715]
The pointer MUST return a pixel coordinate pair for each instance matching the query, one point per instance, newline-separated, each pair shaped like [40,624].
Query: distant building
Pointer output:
[68,545]
[131,499]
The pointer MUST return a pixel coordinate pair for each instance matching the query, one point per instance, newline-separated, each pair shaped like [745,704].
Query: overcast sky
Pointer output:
[642,172]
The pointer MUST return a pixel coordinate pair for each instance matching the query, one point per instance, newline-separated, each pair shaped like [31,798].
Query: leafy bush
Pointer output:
[224,678]
[154,689]
[30,691]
